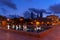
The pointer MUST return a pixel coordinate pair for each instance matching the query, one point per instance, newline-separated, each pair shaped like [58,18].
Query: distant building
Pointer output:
[3,21]
[54,18]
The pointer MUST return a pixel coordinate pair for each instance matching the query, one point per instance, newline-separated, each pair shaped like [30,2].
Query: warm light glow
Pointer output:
[52,19]
[59,22]
[37,23]
[47,22]
[57,19]
[31,22]
[4,23]
[21,19]
[42,22]
[53,24]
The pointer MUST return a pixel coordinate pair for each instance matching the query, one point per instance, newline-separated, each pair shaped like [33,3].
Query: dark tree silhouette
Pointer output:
[29,14]
[39,12]
[32,12]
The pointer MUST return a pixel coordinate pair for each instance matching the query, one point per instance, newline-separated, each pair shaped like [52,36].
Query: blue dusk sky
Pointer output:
[23,5]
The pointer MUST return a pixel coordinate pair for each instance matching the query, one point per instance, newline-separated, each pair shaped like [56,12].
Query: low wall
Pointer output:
[33,34]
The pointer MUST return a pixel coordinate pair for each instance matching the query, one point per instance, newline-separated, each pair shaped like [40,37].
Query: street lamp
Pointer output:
[37,23]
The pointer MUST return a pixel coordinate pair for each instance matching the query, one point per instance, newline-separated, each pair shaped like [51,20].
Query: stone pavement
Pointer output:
[53,35]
